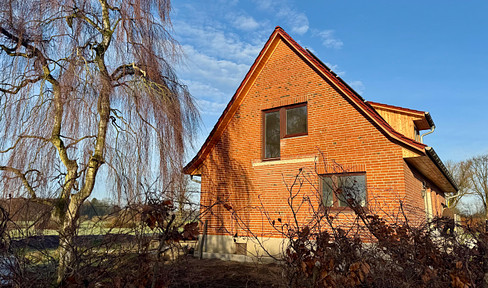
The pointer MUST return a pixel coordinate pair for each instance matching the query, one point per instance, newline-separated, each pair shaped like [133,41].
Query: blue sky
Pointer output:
[425,55]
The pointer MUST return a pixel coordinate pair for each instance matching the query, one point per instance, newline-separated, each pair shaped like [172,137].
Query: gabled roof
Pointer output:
[280,34]
[315,63]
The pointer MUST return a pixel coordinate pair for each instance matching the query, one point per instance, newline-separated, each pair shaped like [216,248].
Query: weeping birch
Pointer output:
[88,87]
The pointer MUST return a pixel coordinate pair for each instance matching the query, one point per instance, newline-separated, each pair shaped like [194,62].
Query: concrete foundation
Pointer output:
[242,249]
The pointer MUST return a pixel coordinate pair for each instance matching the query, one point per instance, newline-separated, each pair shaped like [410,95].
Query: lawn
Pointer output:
[22,229]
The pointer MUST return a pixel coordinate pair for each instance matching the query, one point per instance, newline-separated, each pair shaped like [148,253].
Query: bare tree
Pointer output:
[479,179]
[86,83]
[462,173]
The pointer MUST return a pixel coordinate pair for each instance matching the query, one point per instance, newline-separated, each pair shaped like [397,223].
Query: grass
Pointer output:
[24,229]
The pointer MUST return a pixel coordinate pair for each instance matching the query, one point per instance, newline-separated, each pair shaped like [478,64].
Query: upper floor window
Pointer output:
[272,134]
[296,121]
[340,189]
[280,123]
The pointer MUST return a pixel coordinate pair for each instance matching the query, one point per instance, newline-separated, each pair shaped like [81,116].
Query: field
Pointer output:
[89,227]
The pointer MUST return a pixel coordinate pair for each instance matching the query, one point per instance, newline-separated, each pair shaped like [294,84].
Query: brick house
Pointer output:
[291,113]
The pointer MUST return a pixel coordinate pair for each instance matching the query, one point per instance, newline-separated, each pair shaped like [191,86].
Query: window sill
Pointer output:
[271,159]
[295,135]
[347,209]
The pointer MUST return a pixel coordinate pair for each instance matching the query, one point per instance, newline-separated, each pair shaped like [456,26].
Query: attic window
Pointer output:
[339,189]
[284,122]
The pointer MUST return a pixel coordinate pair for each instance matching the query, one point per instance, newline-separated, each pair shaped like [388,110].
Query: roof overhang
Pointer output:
[431,166]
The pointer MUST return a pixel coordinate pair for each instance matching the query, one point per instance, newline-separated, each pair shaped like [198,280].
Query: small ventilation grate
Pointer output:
[241,248]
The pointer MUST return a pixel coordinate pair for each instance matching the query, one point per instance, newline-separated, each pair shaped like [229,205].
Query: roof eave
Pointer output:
[438,162]
[429,119]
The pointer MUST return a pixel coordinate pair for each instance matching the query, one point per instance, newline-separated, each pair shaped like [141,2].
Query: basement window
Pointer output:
[283,122]
[340,189]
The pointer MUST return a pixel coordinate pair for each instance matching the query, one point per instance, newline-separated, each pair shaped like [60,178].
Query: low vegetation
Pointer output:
[153,244]
[153,247]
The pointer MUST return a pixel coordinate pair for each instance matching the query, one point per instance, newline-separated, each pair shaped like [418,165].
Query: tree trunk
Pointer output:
[67,233]
[65,253]
[69,219]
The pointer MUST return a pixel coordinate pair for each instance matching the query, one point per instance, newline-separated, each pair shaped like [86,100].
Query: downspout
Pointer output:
[427,133]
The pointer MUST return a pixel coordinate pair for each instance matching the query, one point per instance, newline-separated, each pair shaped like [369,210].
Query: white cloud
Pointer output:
[328,39]
[264,4]
[206,91]
[246,23]
[297,21]
[221,73]
[358,86]
[292,19]
[210,108]
[215,42]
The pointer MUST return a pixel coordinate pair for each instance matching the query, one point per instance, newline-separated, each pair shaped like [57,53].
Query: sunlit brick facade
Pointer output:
[344,134]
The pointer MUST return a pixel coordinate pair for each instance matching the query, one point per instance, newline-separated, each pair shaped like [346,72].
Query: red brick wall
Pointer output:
[415,200]
[234,172]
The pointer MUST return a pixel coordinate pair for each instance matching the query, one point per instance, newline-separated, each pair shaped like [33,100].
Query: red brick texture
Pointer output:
[234,172]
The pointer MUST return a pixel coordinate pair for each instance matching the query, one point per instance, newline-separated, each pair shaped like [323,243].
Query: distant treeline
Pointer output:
[23,209]
[95,207]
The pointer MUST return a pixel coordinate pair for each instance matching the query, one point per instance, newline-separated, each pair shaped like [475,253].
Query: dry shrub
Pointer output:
[402,256]
[397,253]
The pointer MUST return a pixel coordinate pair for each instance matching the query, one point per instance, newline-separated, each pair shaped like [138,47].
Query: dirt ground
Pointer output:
[193,272]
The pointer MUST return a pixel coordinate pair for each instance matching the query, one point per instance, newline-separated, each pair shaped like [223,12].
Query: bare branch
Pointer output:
[24,42]
[24,83]
[22,177]
[23,137]
[11,52]
[79,140]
